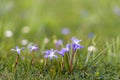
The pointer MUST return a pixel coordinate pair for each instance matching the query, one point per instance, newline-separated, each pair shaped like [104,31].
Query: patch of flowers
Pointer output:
[66,55]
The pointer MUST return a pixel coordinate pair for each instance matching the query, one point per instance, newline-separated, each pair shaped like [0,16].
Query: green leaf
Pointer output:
[66,59]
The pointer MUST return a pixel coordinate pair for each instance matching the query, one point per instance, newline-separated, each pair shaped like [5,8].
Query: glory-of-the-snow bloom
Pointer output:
[74,46]
[50,54]
[17,49]
[91,35]
[65,31]
[75,43]
[64,50]
[58,43]
[33,48]
[75,40]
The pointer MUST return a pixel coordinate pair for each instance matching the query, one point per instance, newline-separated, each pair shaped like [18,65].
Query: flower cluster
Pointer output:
[64,50]
[74,45]
[67,53]
[31,49]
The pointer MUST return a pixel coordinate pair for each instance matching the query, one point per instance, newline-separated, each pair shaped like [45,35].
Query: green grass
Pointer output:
[47,18]
[102,64]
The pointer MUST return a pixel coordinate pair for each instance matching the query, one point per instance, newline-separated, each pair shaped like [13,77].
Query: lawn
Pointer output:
[59,40]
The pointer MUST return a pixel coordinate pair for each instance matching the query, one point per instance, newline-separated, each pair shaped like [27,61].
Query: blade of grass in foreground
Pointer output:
[98,55]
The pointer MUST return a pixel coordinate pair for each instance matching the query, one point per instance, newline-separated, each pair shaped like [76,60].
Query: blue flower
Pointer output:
[17,49]
[75,40]
[75,44]
[59,43]
[68,46]
[47,52]
[91,35]
[50,54]
[33,48]
[64,50]
[65,31]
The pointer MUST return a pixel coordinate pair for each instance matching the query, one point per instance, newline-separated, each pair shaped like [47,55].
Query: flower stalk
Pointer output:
[33,49]
[16,62]
[32,60]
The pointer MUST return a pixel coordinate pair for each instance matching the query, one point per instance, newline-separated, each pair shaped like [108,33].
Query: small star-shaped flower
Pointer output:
[17,49]
[75,43]
[64,50]
[33,48]
[50,54]
[75,40]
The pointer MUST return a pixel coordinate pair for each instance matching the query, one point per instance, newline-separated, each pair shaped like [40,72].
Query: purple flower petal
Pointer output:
[75,40]
[50,54]
[17,49]
[65,31]
[75,44]
[33,48]
[68,47]
[59,43]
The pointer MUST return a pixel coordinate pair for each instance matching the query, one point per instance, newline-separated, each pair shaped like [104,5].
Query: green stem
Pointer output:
[45,64]
[71,61]
[16,63]
[32,61]
[88,56]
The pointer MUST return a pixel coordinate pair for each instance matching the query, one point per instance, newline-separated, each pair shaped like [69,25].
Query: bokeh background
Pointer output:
[36,19]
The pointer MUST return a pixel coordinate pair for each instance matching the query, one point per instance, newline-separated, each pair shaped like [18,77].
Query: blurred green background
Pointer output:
[36,19]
